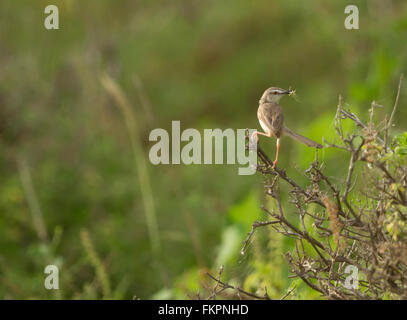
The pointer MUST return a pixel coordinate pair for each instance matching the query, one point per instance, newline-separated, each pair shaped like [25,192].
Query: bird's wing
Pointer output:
[272,117]
[277,122]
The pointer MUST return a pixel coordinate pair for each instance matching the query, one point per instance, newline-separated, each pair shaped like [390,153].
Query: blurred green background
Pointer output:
[76,187]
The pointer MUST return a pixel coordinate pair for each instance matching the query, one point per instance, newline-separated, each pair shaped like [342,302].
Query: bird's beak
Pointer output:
[287,91]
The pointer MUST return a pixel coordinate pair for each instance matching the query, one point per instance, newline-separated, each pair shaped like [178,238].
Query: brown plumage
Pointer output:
[271,118]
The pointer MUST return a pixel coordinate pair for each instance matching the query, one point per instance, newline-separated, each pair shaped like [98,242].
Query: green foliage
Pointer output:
[205,63]
[400,145]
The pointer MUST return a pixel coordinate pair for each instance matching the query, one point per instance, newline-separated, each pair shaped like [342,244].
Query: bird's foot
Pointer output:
[253,141]
[255,135]
[274,164]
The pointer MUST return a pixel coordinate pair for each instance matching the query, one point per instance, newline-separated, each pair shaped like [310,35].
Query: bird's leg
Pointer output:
[278,147]
[256,134]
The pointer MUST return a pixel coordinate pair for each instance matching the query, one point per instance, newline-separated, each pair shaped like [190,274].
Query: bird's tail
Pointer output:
[304,140]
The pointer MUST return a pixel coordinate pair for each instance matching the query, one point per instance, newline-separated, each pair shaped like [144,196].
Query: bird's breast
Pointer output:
[264,127]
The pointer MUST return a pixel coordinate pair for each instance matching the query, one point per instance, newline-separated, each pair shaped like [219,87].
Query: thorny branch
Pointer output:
[354,224]
[224,285]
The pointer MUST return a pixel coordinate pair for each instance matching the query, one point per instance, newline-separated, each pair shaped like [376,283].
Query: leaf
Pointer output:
[245,212]
[231,241]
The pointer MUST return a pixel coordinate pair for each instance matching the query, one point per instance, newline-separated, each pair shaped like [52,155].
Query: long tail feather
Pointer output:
[304,140]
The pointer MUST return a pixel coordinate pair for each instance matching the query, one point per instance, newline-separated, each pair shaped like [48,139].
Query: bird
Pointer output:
[271,119]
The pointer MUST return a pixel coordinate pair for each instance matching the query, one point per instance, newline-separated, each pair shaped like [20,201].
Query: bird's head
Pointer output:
[274,94]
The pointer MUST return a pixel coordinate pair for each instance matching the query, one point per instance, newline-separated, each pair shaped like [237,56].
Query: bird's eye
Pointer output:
[274,92]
